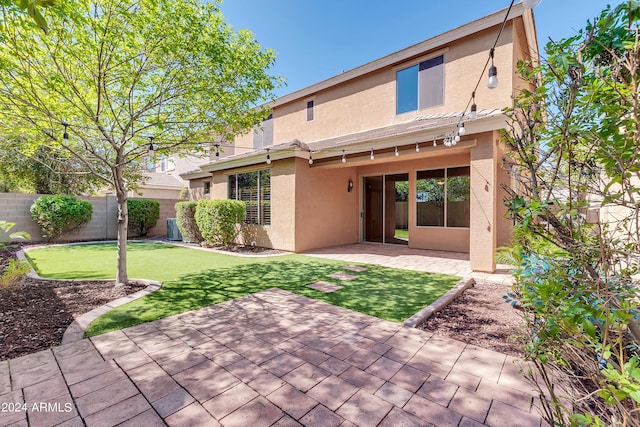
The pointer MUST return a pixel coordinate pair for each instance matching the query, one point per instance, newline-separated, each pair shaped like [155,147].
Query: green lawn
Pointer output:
[193,278]
[402,234]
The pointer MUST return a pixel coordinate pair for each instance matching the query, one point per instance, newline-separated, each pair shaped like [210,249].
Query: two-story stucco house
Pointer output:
[361,155]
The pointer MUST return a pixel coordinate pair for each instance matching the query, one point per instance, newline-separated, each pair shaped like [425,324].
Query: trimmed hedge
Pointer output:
[143,215]
[186,219]
[218,220]
[58,214]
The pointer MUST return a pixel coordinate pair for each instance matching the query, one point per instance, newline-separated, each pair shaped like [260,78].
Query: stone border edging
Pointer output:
[440,303]
[75,331]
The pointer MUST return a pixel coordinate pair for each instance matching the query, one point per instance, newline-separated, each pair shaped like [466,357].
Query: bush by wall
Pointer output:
[143,215]
[186,218]
[218,220]
[59,214]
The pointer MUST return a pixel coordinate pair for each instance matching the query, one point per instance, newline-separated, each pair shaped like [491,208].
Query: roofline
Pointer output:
[438,41]
[480,125]
[531,35]
[195,175]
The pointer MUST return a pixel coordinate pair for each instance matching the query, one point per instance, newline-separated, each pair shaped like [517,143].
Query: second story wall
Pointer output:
[369,101]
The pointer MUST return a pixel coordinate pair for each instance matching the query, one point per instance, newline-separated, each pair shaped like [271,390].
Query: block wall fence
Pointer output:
[14,207]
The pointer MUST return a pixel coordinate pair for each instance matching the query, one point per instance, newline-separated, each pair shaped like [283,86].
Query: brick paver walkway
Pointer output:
[399,256]
[270,358]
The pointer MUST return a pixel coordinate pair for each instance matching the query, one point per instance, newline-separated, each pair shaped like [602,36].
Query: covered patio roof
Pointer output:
[421,129]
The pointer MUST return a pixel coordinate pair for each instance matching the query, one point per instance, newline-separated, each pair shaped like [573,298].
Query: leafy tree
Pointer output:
[43,171]
[575,150]
[33,8]
[110,74]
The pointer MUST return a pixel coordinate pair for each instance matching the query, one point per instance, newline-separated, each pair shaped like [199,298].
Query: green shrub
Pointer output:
[14,270]
[59,214]
[143,215]
[218,220]
[186,218]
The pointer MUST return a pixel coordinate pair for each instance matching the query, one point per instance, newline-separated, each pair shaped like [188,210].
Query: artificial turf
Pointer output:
[194,278]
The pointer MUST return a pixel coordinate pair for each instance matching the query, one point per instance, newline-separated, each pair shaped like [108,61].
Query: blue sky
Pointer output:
[316,40]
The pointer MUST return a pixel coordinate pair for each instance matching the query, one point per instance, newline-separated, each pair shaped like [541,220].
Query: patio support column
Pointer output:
[484,203]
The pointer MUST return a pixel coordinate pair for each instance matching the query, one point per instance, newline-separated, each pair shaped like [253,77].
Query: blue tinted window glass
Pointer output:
[433,62]
[407,89]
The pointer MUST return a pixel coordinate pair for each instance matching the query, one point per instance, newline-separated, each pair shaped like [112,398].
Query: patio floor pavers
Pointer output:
[403,257]
[155,374]
[325,287]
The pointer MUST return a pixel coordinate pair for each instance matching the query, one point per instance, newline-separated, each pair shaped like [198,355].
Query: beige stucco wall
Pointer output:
[158,193]
[281,233]
[369,102]
[484,211]
[326,213]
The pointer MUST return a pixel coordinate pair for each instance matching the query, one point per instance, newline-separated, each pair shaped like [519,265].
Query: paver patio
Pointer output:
[270,358]
[399,256]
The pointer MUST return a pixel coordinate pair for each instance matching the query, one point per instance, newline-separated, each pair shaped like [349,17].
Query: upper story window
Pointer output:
[263,135]
[207,188]
[420,86]
[310,106]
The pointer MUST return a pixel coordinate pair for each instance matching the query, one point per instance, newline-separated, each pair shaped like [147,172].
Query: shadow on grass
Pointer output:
[386,293]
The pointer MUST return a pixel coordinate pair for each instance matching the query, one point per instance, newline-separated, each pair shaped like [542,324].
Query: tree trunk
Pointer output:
[121,271]
[122,277]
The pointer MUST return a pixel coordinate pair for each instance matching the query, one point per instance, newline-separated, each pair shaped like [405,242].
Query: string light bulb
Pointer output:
[473,114]
[217,150]
[310,158]
[65,135]
[152,148]
[372,157]
[397,153]
[268,157]
[492,83]
[461,129]
[530,4]
[344,157]
[435,144]
[417,147]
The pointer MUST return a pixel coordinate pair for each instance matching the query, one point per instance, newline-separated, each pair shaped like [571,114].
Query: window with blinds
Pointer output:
[254,189]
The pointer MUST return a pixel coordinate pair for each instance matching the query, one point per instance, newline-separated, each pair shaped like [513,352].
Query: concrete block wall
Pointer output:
[15,207]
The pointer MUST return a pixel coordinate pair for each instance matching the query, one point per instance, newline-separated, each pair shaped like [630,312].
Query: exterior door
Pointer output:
[373,209]
[385,209]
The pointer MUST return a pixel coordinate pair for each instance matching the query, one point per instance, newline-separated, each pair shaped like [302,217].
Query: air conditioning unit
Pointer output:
[173,232]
